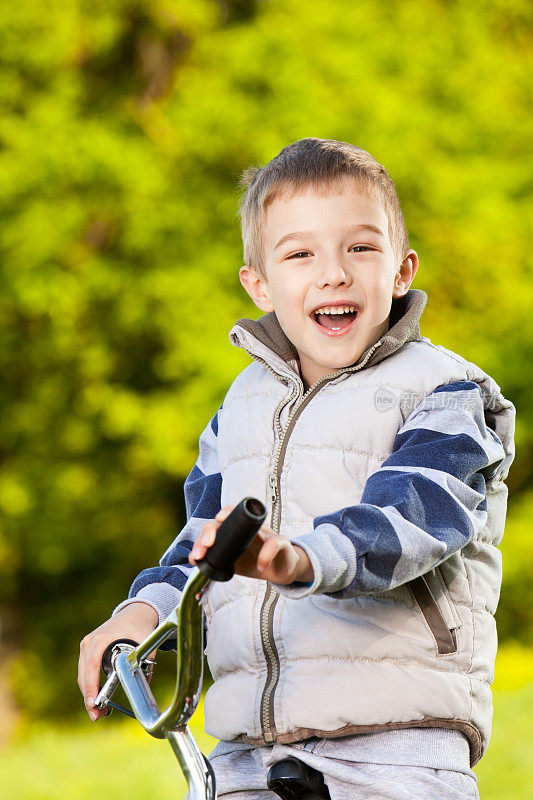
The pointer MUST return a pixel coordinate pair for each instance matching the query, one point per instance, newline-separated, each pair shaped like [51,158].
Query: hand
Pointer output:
[136,621]
[271,556]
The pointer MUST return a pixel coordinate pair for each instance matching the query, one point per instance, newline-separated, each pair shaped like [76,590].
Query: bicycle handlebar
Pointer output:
[107,658]
[233,537]
[127,659]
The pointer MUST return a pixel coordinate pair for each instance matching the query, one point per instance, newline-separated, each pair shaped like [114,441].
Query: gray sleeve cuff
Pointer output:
[161,596]
[333,559]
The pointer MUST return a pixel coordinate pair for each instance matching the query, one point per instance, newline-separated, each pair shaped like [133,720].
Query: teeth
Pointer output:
[335,310]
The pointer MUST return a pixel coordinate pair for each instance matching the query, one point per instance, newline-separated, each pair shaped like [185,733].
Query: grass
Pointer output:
[505,772]
[109,760]
[87,761]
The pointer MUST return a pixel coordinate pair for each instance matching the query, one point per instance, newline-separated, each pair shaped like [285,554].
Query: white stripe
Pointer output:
[208,456]
[454,413]
[162,596]
[420,550]
[332,556]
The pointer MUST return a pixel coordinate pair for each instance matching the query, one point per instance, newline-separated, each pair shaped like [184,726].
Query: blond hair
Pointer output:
[320,164]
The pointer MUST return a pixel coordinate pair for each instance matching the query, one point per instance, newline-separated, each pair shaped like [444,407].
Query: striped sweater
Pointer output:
[425,502]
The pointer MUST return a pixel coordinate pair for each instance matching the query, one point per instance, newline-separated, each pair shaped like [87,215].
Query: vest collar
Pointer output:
[265,340]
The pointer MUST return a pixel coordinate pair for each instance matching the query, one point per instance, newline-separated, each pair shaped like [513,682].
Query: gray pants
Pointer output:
[241,775]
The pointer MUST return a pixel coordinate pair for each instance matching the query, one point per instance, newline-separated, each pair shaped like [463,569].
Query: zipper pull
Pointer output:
[272,482]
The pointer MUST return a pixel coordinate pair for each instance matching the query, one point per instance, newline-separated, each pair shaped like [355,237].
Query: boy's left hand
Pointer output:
[271,557]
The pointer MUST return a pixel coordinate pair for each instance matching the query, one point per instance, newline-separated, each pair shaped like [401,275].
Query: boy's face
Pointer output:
[327,269]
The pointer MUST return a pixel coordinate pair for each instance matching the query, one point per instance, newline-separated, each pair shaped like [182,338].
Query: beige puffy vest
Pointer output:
[421,654]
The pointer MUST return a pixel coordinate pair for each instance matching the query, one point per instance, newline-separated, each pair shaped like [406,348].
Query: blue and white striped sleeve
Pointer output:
[161,586]
[425,502]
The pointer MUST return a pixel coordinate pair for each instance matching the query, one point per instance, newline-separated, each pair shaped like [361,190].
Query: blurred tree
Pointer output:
[126,125]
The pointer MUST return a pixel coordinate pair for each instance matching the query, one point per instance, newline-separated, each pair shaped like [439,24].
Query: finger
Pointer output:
[81,662]
[224,513]
[204,541]
[198,552]
[209,534]
[264,535]
[268,553]
[91,685]
[95,713]
[92,711]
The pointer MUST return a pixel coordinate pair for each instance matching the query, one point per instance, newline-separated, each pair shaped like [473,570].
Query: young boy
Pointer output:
[358,633]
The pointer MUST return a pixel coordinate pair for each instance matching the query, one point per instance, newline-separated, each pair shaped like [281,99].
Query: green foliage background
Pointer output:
[124,130]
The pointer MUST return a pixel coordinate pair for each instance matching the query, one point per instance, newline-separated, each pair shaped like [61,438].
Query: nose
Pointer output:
[331,272]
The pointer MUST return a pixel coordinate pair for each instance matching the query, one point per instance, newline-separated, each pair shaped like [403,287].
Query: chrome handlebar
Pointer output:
[128,664]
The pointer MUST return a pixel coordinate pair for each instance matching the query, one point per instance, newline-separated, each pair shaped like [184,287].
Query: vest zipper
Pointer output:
[266,618]
[274,477]
[268,641]
[270,600]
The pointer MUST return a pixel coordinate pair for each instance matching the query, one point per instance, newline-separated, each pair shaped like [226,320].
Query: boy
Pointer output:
[358,633]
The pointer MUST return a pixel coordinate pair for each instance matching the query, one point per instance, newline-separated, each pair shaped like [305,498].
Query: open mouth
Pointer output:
[335,318]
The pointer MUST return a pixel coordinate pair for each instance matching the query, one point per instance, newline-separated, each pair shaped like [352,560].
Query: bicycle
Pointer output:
[127,663]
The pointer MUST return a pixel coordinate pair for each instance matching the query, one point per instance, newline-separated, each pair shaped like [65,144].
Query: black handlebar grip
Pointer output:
[107,666]
[233,537]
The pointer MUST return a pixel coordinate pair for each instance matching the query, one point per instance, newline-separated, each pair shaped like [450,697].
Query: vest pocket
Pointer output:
[431,594]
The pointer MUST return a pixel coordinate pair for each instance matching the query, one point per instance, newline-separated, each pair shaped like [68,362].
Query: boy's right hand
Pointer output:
[136,621]
[270,556]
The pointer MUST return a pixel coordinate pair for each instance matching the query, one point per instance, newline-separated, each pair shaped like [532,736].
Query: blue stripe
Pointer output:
[424,503]
[202,494]
[458,454]
[458,386]
[178,555]
[376,543]
[420,501]
[171,575]
[214,422]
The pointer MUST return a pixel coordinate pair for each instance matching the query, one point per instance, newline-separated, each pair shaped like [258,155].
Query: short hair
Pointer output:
[321,164]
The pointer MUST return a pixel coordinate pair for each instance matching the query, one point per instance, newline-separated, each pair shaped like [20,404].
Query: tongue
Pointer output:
[335,320]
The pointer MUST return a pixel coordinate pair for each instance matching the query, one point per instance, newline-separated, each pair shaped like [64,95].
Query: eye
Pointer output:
[299,253]
[304,253]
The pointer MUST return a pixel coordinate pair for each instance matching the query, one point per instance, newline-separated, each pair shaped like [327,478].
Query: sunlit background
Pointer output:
[125,126]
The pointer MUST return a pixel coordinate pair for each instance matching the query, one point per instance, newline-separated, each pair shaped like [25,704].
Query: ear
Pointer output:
[405,275]
[257,288]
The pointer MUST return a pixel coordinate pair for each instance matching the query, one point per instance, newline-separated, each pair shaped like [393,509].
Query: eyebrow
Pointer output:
[310,234]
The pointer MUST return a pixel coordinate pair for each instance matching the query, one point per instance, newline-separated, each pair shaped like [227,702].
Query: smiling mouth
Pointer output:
[335,319]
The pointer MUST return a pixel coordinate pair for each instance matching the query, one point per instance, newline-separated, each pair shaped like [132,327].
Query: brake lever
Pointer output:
[103,700]
[110,705]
